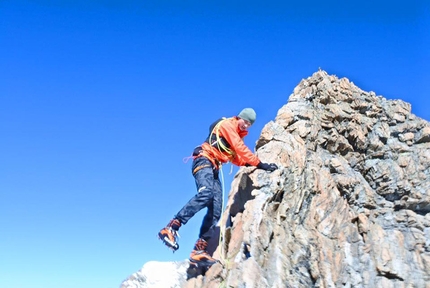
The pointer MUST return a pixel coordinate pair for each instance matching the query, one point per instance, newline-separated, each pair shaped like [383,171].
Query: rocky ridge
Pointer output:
[349,206]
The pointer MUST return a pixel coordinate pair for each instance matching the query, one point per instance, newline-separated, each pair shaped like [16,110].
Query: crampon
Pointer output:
[169,238]
[200,265]
[200,260]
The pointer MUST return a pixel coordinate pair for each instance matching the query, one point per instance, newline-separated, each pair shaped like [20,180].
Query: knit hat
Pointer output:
[248,114]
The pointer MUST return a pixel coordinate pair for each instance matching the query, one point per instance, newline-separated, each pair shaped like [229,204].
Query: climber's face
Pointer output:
[244,124]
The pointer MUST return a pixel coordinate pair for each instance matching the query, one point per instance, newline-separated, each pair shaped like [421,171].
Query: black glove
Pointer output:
[267,166]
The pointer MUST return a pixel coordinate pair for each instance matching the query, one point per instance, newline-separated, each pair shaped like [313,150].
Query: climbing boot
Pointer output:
[199,256]
[169,234]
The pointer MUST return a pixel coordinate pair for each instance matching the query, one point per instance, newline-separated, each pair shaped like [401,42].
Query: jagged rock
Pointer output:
[349,206]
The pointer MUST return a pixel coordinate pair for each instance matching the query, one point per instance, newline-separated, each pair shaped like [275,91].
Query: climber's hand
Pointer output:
[267,166]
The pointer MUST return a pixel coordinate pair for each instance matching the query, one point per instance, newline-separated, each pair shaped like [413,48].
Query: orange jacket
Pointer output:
[229,130]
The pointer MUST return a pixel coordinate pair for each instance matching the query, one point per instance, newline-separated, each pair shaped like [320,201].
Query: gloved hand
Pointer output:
[267,166]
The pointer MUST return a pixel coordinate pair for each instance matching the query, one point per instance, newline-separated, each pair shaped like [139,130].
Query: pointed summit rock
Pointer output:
[349,206]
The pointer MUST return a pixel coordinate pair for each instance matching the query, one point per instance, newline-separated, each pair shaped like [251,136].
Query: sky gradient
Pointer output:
[102,100]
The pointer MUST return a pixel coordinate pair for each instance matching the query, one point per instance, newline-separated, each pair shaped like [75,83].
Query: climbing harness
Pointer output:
[201,167]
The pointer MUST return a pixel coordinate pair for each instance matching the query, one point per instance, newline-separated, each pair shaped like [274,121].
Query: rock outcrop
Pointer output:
[349,206]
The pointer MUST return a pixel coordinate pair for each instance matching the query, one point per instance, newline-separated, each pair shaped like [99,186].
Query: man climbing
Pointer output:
[223,144]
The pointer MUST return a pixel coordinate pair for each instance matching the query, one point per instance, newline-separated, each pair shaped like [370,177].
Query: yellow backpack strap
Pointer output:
[219,141]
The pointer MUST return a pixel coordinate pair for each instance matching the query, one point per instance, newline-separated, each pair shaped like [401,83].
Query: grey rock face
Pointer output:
[349,206]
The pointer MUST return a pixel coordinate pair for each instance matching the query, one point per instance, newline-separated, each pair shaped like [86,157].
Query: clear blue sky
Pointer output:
[102,100]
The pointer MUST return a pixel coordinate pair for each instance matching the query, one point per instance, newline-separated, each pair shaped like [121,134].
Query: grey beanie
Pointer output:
[248,114]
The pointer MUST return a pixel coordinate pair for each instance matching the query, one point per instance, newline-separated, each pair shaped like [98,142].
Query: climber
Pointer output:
[223,144]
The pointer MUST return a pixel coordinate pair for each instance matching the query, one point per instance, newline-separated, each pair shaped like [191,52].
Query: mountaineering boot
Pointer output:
[169,234]
[199,256]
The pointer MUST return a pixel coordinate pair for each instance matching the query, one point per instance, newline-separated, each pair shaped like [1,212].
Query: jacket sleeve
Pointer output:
[243,154]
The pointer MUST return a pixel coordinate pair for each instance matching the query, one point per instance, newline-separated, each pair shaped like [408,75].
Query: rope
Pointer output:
[221,232]
[231,153]
[186,159]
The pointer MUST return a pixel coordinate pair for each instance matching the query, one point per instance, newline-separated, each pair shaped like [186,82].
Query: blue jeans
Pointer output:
[209,195]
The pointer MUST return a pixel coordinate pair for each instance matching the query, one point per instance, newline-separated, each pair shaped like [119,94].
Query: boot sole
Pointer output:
[166,241]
